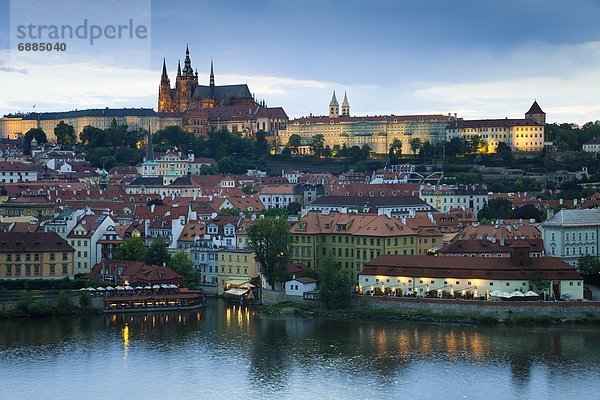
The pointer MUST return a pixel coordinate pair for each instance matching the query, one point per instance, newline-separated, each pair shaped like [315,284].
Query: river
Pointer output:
[229,353]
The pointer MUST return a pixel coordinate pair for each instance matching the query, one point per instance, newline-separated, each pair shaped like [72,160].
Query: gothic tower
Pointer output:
[345,106]
[334,107]
[536,114]
[212,75]
[185,84]
[165,101]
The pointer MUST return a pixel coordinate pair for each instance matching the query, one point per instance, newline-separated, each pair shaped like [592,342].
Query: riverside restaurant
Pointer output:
[153,300]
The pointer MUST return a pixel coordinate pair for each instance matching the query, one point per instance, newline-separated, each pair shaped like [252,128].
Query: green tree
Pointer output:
[34,133]
[132,249]
[294,208]
[589,268]
[64,305]
[335,286]
[496,209]
[157,254]
[184,266]
[65,134]
[317,145]
[415,145]
[294,142]
[260,143]
[505,152]
[85,301]
[93,136]
[271,240]
[395,151]
[427,150]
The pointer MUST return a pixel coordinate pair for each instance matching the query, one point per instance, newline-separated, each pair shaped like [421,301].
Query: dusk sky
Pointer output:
[479,59]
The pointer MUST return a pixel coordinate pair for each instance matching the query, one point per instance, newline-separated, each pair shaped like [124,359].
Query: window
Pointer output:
[64,256]
[52,256]
[9,257]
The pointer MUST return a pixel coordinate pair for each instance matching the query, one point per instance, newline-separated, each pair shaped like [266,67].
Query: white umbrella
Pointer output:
[120,288]
[516,293]
[247,285]
[504,295]
[128,288]
[100,289]
[138,287]
[91,289]
[83,288]
[147,287]
[156,287]
[172,286]
[165,286]
[531,294]
[495,293]
[110,288]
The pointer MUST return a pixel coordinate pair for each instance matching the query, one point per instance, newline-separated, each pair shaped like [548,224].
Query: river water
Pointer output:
[226,352]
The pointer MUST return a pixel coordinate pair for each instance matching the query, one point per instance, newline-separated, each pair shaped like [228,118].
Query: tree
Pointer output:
[294,208]
[327,152]
[184,266]
[528,211]
[427,150]
[131,249]
[415,145]
[474,144]
[589,268]
[65,134]
[317,144]
[34,133]
[395,151]
[260,143]
[294,142]
[496,209]
[157,254]
[271,240]
[335,286]
[93,136]
[505,152]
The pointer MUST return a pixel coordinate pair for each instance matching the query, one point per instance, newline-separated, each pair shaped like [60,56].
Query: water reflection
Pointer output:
[225,346]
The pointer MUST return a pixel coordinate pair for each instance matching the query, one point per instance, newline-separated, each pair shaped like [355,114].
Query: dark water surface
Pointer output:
[228,353]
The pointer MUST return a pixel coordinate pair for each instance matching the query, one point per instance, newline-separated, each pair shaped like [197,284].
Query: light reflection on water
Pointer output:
[228,352]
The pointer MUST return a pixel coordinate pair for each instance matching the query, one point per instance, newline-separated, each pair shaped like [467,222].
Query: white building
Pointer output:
[592,146]
[15,172]
[446,197]
[571,234]
[84,239]
[299,286]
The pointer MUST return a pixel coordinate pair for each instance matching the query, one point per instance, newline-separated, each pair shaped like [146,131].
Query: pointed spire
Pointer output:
[178,68]
[333,100]
[164,69]
[149,149]
[212,74]
[187,64]
[345,102]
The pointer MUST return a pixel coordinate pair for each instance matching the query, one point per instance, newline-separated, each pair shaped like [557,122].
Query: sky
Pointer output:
[479,59]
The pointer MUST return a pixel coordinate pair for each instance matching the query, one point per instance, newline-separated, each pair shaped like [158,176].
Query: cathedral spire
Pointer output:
[164,70]
[187,64]
[212,74]
[149,149]
[178,68]
[334,107]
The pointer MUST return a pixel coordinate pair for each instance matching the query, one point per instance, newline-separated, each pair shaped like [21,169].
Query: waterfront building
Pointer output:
[235,267]
[570,234]
[525,134]
[470,277]
[491,247]
[351,239]
[446,197]
[298,286]
[35,255]
[133,273]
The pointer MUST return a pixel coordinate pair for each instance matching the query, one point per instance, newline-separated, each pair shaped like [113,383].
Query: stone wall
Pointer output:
[270,297]
[498,309]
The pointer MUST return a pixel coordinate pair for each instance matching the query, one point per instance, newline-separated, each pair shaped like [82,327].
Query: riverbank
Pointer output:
[363,313]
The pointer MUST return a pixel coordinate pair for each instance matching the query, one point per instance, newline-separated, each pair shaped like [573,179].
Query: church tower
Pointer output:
[536,114]
[186,83]
[212,75]
[345,106]
[165,101]
[334,107]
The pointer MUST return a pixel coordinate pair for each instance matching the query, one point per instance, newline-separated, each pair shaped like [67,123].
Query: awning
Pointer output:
[236,292]
[236,281]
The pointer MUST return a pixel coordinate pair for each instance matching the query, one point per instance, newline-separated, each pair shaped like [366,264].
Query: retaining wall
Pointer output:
[497,309]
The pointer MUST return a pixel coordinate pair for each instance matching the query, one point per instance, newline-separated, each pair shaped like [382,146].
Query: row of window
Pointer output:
[17,269]
[36,256]
[572,236]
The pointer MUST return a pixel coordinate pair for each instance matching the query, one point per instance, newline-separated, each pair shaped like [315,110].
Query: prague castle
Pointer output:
[188,95]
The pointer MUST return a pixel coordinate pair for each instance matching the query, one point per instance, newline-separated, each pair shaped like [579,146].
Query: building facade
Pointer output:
[35,255]
[570,234]
[235,267]
[447,197]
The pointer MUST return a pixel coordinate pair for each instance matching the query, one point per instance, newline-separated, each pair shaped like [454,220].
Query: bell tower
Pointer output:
[334,107]
[345,106]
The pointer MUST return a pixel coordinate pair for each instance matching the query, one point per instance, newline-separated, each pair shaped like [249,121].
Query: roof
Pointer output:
[492,268]
[134,270]
[593,141]
[372,118]
[223,92]
[486,246]
[18,242]
[386,201]
[535,109]
[15,166]
[93,112]
[574,218]
[492,123]
[351,224]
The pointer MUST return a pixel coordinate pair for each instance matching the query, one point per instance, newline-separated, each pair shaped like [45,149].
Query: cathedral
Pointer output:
[188,95]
